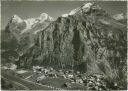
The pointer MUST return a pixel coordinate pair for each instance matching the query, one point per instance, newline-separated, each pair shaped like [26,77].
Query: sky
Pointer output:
[31,9]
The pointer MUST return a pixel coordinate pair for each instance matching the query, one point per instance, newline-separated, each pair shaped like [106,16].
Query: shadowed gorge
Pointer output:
[76,43]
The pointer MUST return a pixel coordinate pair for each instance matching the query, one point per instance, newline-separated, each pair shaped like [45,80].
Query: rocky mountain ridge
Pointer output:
[20,27]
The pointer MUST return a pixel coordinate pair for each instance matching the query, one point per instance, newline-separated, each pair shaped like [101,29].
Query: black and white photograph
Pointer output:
[63,45]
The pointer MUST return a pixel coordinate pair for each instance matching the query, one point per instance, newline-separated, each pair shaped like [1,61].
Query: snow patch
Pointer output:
[65,15]
[73,12]
[51,19]
[44,17]
[16,19]
[119,16]
[87,7]
[21,71]
[29,23]
[104,22]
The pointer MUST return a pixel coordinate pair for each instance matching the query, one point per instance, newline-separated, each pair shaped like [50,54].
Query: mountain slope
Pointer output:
[89,36]
[87,39]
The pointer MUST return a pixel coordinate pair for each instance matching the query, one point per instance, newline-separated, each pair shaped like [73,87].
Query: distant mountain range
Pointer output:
[87,39]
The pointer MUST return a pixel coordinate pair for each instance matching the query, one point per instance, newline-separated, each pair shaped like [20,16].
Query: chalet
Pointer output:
[70,75]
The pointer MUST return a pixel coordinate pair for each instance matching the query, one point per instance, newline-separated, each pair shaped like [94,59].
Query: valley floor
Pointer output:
[41,78]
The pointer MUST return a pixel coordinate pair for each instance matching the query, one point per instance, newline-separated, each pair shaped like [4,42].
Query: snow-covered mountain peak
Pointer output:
[16,19]
[65,15]
[45,16]
[87,6]
[22,26]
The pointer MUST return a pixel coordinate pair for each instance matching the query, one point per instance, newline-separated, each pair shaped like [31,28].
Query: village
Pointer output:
[94,82]
[61,78]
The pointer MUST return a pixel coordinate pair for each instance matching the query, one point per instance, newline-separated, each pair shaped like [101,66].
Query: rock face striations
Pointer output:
[87,39]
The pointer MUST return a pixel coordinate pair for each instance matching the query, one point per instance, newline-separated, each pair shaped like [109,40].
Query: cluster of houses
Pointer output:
[96,82]
[93,82]
[50,72]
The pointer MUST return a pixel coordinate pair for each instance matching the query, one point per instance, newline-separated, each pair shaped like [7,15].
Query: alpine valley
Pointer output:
[87,39]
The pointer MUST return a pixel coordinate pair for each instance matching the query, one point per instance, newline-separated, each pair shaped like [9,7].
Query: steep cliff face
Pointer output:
[87,39]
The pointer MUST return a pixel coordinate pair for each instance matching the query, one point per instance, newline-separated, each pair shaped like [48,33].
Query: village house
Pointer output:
[70,75]
[78,80]
[83,77]
[38,69]
[46,71]
[52,74]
